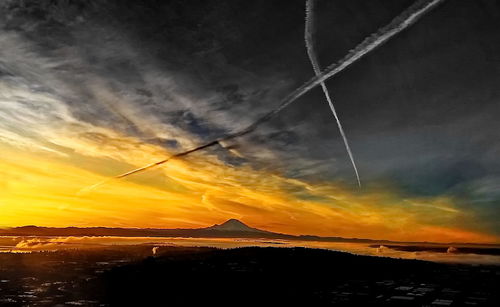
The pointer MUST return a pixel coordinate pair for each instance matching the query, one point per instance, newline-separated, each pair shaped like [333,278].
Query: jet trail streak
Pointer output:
[398,24]
[138,170]
[308,36]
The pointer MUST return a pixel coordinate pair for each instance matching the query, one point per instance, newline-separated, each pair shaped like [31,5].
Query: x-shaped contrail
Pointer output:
[398,24]
[308,36]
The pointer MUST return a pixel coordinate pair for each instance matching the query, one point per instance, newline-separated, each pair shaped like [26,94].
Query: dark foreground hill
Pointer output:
[199,276]
[294,277]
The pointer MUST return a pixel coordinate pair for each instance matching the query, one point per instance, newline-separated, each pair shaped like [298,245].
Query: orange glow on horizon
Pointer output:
[39,189]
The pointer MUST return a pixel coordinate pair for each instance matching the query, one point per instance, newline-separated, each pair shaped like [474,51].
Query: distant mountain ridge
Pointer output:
[232,228]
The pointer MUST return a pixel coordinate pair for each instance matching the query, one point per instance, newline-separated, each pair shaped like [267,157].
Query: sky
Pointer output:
[93,89]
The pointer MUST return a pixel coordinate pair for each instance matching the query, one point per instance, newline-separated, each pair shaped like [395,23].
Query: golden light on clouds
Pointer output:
[43,189]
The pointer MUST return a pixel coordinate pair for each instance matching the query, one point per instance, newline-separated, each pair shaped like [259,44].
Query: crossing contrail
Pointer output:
[398,24]
[308,36]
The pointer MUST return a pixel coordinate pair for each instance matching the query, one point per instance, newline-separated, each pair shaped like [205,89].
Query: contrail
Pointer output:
[138,170]
[308,32]
[398,24]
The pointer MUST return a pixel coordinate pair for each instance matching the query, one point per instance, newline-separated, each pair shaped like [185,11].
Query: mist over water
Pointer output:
[30,244]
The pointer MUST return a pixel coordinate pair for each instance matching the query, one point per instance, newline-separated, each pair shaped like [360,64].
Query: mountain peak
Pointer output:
[234,222]
[233,225]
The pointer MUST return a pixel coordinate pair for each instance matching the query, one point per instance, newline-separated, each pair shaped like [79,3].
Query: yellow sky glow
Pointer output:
[42,189]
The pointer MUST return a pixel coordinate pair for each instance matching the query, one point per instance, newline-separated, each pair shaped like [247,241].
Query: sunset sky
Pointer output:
[97,88]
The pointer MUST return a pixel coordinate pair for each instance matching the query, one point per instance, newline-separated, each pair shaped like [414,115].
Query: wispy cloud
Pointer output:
[401,22]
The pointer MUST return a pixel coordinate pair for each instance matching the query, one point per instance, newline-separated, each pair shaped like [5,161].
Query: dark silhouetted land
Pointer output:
[252,276]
